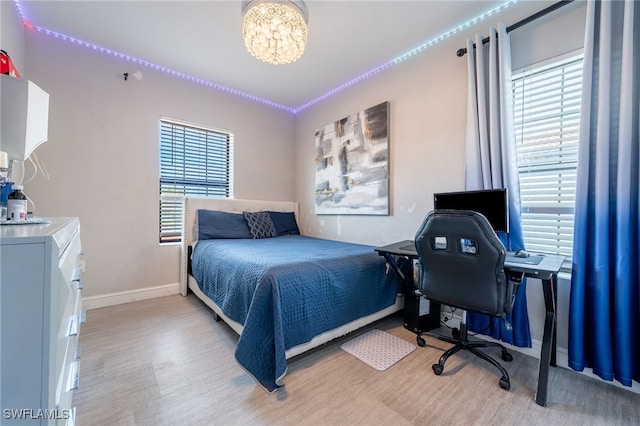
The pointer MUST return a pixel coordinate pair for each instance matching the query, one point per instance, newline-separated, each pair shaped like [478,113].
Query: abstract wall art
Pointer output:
[352,164]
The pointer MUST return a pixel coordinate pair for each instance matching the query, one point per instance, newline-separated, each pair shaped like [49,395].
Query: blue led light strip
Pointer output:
[407,55]
[28,25]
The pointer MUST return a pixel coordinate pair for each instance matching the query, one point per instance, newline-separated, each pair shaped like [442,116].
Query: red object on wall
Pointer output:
[6,66]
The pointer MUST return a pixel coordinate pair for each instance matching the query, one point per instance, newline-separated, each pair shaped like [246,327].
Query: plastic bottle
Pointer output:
[17,204]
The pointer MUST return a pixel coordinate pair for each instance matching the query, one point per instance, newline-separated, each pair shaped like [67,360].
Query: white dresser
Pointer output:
[40,317]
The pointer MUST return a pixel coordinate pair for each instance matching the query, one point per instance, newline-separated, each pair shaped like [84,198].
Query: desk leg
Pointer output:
[548,351]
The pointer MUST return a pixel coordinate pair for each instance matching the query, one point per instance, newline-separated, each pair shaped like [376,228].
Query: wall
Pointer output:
[12,38]
[428,120]
[102,156]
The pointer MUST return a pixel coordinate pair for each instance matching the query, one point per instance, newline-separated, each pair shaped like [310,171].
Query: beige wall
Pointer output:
[102,156]
[428,95]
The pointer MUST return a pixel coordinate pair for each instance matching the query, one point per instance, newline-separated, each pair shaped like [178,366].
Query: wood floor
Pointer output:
[165,361]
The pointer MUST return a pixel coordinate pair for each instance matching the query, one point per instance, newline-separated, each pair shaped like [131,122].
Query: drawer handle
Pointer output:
[79,284]
[73,326]
[75,275]
[74,376]
[81,261]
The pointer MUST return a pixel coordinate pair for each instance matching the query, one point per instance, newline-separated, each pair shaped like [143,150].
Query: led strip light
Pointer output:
[29,26]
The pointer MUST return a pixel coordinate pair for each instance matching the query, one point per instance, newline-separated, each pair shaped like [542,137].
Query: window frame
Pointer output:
[559,138]
[194,160]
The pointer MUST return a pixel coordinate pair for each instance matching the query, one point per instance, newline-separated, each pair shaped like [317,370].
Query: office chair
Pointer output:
[461,264]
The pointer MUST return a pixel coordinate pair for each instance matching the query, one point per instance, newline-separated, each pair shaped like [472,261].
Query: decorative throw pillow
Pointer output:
[285,223]
[214,224]
[260,225]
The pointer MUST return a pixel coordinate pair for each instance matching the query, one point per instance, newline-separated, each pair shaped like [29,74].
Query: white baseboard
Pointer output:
[562,357]
[118,298]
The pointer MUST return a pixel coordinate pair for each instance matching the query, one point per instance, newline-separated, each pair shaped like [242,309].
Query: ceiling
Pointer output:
[203,38]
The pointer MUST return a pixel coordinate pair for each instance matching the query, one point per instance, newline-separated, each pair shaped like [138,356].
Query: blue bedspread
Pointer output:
[286,290]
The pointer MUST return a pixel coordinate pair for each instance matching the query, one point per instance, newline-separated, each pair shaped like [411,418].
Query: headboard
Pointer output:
[193,204]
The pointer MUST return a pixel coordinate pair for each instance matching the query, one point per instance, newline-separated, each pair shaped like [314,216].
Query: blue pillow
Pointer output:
[260,225]
[214,224]
[285,223]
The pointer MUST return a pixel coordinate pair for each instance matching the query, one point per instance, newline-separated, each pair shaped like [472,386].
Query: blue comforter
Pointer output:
[286,290]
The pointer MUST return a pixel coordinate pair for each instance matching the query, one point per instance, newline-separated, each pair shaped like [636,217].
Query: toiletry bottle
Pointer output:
[17,204]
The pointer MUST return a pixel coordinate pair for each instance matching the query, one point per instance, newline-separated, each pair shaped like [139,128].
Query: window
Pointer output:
[546,101]
[194,161]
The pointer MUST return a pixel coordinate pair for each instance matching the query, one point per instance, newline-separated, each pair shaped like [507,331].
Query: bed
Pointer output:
[285,293]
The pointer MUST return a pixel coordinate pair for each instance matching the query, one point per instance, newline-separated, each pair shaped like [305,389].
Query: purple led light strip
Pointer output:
[419,49]
[28,25]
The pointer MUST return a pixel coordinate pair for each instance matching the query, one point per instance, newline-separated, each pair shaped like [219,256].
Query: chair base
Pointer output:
[461,342]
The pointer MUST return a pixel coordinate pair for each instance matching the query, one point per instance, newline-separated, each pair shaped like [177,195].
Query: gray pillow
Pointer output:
[260,225]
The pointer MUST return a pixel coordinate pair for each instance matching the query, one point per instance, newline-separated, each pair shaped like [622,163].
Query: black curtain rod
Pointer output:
[463,50]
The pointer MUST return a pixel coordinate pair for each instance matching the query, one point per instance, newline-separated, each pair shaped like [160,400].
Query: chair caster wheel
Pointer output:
[437,369]
[505,384]
[421,342]
[506,356]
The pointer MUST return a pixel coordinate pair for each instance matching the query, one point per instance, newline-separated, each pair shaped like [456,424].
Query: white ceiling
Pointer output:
[203,38]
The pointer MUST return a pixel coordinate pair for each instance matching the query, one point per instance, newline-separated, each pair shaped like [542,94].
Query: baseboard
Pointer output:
[562,357]
[118,298]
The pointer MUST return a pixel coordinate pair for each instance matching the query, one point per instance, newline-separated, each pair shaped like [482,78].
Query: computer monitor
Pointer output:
[492,203]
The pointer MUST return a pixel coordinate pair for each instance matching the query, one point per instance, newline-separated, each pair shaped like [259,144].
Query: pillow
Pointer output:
[218,224]
[260,225]
[285,223]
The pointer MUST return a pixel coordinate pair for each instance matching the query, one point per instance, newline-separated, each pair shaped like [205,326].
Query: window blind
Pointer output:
[194,161]
[546,103]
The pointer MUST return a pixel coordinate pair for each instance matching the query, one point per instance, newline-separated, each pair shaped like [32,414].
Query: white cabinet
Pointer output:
[40,317]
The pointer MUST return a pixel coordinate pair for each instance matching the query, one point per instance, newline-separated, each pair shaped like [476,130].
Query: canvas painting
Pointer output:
[352,164]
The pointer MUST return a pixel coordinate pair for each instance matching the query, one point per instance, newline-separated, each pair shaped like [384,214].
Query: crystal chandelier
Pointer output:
[275,31]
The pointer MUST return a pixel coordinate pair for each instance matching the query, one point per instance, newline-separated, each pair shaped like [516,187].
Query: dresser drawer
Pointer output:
[68,320]
[68,379]
[68,351]
[70,257]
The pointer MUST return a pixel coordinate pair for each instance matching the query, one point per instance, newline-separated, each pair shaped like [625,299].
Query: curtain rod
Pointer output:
[463,50]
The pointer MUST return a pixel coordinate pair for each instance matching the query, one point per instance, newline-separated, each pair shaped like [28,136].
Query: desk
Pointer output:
[547,271]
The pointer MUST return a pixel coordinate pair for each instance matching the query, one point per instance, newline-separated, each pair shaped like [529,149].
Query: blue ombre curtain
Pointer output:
[491,162]
[604,314]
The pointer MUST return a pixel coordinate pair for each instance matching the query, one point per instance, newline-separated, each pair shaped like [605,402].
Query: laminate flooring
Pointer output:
[166,361]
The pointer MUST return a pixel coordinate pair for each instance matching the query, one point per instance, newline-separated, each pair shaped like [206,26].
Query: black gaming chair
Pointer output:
[462,265]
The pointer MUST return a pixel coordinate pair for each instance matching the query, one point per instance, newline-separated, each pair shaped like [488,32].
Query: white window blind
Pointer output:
[546,102]
[193,161]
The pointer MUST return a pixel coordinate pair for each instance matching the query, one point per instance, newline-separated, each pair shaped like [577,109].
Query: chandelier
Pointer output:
[275,31]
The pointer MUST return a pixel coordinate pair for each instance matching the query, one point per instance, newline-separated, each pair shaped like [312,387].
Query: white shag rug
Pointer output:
[378,349]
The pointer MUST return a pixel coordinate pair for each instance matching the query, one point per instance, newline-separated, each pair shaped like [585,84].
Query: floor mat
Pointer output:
[378,349]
